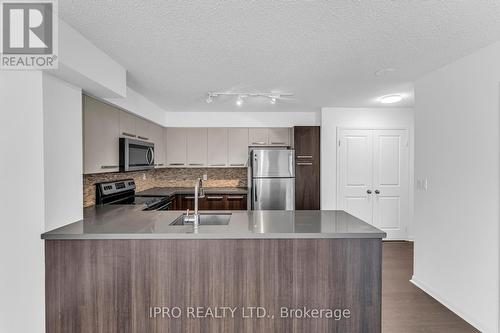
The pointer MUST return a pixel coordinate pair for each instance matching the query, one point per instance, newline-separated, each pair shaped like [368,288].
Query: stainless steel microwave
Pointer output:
[136,155]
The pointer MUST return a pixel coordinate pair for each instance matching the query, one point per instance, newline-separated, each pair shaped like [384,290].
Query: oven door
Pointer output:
[136,155]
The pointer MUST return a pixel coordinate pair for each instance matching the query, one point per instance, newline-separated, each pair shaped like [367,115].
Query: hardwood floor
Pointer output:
[406,308]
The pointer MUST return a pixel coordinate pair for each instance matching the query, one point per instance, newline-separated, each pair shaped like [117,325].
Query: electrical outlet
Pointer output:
[205,176]
[143,176]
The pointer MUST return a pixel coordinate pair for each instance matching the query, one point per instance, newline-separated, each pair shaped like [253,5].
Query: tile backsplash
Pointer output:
[182,177]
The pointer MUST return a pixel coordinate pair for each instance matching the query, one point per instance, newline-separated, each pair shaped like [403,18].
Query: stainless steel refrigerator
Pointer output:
[272,179]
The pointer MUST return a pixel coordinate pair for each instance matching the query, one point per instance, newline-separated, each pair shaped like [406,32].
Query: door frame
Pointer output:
[409,220]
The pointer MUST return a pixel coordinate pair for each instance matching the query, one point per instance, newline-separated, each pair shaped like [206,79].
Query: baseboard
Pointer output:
[447,304]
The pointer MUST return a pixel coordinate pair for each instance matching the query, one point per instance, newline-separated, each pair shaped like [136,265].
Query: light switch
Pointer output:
[205,176]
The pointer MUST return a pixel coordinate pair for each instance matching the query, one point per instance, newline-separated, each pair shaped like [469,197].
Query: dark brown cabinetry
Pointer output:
[307,167]
[212,202]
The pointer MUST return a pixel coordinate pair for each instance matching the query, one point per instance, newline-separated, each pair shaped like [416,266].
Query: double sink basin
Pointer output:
[206,219]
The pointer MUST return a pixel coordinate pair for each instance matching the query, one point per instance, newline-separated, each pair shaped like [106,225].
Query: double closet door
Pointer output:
[373,178]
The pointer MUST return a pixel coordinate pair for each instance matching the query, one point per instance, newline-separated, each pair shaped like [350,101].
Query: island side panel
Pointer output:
[109,285]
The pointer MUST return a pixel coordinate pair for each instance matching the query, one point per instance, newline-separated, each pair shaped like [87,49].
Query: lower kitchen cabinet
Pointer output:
[211,202]
[236,202]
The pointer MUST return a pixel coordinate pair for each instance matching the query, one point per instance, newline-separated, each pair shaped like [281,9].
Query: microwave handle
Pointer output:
[151,153]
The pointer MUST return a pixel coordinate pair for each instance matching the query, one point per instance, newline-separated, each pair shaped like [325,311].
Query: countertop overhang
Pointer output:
[131,222]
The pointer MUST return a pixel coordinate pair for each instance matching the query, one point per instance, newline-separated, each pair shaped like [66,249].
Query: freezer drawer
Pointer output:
[273,194]
[273,163]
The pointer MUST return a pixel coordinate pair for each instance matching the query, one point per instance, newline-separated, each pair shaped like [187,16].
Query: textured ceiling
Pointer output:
[325,52]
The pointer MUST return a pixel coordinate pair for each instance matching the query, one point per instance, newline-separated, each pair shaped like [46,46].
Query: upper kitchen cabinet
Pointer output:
[258,136]
[237,147]
[127,124]
[217,147]
[134,127]
[176,143]
[279,136]
[197,147]
[142,129]
[156,133]
[101,129]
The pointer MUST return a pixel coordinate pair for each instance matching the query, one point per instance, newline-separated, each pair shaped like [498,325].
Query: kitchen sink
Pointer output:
[206,219]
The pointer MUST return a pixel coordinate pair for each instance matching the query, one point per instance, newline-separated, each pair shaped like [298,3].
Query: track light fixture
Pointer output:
[273,97]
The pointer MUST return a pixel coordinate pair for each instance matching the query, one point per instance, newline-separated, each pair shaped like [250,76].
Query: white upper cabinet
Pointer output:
[127,124]
[176,143]
[217,147]
[237,147]
[258,136]
[279,136]
[196,147]
[142,129]
[134,127]
[156,136]
[100,131]
[276,136]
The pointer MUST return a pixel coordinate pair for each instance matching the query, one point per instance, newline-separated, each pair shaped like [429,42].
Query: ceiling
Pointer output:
[324,52]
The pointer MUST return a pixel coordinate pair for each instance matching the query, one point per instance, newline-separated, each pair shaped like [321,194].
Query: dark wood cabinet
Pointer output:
[236,202]
[307,167]
[211,202]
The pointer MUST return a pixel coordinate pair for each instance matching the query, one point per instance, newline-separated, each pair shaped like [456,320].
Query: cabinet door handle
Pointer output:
[278,143]
[235,197]
[237,164]
[259,143]
[176,164]
[215,198]
[304,156]
[189,198]
[304,163]
[128,134]
[220,164]
[109,166]
[143,138]
[196,164]
[160,164]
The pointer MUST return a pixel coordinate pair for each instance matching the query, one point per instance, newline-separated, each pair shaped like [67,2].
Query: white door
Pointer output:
[355,173]
[373,178]
[390,182]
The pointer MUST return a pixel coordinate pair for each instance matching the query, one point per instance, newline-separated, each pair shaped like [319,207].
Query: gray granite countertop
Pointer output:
[131,222]
[169,191]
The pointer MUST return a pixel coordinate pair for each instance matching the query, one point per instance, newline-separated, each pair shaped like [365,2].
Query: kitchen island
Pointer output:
[125,270]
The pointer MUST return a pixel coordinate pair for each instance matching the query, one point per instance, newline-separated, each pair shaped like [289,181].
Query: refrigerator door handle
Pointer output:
[290,164]
[255,191]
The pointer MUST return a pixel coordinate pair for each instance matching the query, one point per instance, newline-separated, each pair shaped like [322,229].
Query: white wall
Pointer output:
[21,202]
[86,66]
[457,218]
[332,118]
[242,119]
[139,105]
[62,119]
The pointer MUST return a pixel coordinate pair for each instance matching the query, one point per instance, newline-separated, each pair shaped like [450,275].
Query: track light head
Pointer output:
[210,98]
[239,101]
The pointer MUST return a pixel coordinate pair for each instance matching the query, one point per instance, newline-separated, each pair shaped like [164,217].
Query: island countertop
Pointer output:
[131,222]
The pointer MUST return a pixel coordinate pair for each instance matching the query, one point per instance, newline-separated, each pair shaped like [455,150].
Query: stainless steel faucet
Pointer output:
[198,193]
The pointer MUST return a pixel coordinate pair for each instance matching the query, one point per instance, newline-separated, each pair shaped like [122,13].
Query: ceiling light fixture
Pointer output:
[239,101]
[273,97]
[389,99]
[383,71]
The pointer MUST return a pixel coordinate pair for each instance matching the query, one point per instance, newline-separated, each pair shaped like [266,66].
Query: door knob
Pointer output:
[377,192]
[369,191]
